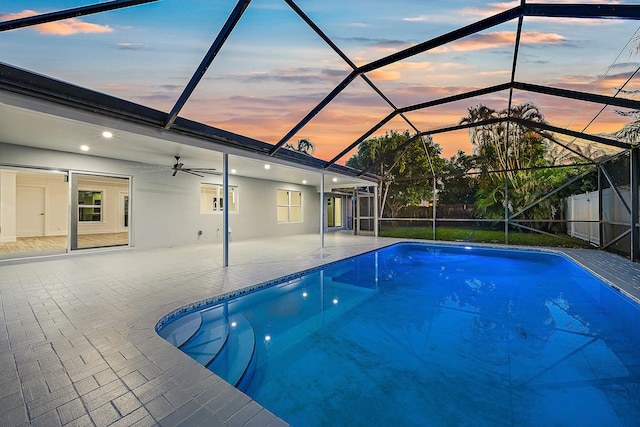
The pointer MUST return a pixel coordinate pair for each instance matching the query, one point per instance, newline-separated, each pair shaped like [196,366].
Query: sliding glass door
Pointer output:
[34,212]
[100,211]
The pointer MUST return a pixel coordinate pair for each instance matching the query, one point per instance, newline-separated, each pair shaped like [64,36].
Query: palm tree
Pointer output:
[510,148]
[304,146]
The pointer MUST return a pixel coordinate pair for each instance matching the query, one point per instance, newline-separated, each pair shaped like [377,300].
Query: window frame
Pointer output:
[289,206]
[233,189]
[94,206]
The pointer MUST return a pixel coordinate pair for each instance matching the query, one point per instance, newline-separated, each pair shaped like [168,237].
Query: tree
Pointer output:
[303,145]
[511,149]
[458,186]
[405,163]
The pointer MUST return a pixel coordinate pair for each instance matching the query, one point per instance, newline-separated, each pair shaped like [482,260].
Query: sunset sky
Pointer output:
[274,69]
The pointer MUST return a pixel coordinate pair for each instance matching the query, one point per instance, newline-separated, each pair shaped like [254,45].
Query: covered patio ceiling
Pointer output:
[248,78]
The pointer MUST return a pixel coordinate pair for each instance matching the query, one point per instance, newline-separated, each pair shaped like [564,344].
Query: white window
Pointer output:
[289,206]
[90,206]
[212,198]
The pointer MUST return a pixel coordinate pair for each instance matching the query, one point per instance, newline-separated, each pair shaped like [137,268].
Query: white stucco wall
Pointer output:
[166,209]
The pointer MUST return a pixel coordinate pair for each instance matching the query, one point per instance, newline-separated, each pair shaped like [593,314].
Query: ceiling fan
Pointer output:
[179,167]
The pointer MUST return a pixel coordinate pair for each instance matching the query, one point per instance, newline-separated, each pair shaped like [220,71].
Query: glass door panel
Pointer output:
[100,207]
[34,207]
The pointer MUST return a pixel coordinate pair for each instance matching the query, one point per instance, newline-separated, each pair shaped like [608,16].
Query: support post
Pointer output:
[600,205]
[225,210]
[634,166]
[506,209]
[434,206]
[375,211]
[322,210]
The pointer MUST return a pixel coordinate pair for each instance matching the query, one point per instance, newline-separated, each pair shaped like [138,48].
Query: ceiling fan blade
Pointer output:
[192,173]
[211,171]
[175,171]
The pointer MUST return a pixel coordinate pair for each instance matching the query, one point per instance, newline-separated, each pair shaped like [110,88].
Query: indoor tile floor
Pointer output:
[78,344]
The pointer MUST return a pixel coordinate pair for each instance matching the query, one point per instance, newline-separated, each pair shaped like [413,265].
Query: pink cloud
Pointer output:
[501,39]
[65,27]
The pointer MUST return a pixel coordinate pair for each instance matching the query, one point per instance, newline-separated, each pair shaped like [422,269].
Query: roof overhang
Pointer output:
[61,117]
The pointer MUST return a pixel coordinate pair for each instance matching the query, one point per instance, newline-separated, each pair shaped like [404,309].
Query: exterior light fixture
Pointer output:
[107,134]
[335,179]
[84,147]
[267,167]
[304,181]
[233,171]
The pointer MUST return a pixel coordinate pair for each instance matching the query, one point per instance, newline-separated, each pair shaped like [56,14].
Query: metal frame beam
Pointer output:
[454,98]
[224,33]
[359,140]
[613,185]
[581,96]
[569,132]
[452,36]
[589,11]
[546,196]
[69,13]
[335,92]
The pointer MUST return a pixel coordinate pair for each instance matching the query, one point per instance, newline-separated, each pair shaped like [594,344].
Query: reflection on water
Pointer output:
[424,335]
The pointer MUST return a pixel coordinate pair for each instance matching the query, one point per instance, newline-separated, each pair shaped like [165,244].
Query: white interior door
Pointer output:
[30,211]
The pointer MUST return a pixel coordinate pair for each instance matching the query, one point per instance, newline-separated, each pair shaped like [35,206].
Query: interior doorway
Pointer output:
[335,212]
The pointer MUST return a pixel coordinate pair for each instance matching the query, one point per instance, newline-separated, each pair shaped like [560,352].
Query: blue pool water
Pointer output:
[422,335]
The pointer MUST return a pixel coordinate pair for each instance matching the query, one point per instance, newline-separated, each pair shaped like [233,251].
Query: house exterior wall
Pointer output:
[166,210]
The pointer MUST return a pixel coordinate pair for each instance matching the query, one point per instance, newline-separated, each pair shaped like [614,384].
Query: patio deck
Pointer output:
[78,345]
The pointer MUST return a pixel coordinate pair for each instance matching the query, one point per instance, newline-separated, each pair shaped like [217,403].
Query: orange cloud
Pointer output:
[384,75]
[490,10]
[501,39]
[65,27]
[400,70]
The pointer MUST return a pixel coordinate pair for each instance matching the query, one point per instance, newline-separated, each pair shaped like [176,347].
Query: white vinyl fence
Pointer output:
[584,207]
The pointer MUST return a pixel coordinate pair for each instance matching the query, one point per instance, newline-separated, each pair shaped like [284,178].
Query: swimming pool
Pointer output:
[418,334]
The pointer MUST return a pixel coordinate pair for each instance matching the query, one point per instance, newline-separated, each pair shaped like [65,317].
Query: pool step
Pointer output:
[210,338]
[178,331]
[233,363]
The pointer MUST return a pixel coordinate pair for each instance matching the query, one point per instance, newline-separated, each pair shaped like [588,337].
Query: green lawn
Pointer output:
[482,236]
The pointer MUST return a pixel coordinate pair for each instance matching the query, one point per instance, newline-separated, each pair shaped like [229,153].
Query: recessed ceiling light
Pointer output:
[304,181]
[335,179]
[233,171]
[267,167]
[107,134]
[84,147]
